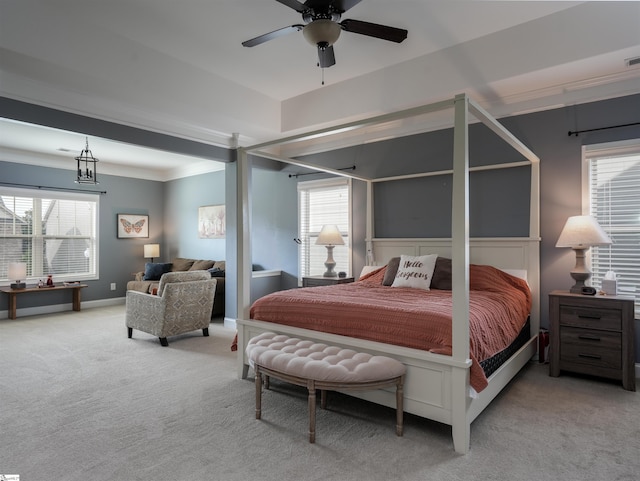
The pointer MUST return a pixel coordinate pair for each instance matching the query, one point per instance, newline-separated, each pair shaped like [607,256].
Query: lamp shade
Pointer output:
[17,271]
[582,231]
[151,250]
[329,236]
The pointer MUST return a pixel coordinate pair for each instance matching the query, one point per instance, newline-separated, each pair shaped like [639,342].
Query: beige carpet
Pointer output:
[81,402]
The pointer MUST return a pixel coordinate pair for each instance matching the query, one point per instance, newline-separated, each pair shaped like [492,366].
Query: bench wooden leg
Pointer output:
[312,411]
[399,406]
[258,393]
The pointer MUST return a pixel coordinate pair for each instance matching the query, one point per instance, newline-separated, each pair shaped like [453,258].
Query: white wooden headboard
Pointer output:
[504,253]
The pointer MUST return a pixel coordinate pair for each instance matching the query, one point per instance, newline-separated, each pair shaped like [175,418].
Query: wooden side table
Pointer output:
[314,281]
[592,335]
[13,295]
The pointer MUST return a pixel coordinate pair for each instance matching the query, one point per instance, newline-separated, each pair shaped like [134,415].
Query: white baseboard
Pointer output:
[638,370]
[230,323]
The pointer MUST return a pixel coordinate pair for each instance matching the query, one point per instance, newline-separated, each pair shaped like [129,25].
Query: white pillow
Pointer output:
[415,271]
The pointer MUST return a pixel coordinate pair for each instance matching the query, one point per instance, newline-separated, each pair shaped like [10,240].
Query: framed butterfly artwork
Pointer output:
[133,226]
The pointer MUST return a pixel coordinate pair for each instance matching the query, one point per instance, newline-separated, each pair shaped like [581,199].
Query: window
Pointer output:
[614,200]
[319,203]
[52,232]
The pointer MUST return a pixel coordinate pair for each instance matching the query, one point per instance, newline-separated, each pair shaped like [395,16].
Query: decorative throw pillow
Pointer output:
[415,271]
[182,264]
[391,271]
[216,272]
[153,270]
[220,265]
[201,265]
[442,274]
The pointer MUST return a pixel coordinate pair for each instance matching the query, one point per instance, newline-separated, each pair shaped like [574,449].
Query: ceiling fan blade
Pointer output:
[374,30]
[297,6]
[271,35]
[326,57]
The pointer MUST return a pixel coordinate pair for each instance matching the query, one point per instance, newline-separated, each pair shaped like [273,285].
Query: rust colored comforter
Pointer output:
[499,305]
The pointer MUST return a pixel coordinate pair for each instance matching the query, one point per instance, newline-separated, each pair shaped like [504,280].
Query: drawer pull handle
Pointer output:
[589,316]
[590,356]
[587,337]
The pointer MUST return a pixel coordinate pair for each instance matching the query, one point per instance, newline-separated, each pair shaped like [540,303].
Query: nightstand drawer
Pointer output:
[609,319]
[573,355]
[590,338]
[595,348]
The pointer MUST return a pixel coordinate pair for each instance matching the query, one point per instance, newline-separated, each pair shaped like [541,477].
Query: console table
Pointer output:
[13,295]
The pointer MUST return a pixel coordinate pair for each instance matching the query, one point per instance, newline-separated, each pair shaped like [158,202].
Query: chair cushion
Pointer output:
[171,277]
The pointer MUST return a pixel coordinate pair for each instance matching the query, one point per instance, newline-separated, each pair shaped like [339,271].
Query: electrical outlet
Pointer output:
[113,286]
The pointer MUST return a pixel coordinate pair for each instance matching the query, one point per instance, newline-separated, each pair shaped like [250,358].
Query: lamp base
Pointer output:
[580,272]
[330,264]
[18,285]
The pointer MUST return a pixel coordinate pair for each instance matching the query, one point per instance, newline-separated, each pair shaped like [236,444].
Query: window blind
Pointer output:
[614,197]
[319,203]
[52,232]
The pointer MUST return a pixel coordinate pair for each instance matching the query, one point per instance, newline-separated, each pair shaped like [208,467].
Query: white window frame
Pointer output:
[36,270]
[306,238]
[605,258]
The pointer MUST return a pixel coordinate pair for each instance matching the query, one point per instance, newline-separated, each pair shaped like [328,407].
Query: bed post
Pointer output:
[370,255]
[243,250]
[460,425]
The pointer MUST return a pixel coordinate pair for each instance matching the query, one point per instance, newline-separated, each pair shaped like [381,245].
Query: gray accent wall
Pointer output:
[119,258]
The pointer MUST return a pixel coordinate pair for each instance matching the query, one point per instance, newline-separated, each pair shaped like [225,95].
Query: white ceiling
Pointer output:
[178,67]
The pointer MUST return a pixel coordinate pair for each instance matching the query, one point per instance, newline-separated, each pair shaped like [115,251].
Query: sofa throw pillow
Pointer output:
[415,271]
[216,272]
[181,264]
[153,270]
[201,265]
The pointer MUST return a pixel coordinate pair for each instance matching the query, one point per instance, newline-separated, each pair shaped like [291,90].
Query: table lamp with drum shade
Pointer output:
[581,232]
[151,251]
[17,271]
[330,237]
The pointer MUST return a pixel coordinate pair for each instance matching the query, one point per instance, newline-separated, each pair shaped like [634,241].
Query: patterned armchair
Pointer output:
[183,303]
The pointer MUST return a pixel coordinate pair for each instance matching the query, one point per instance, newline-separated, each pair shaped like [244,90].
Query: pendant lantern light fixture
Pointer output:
[86,170]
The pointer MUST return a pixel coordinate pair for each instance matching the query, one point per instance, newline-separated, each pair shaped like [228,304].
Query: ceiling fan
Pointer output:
[322,27]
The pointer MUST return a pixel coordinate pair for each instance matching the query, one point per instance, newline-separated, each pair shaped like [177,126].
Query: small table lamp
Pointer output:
[581,232]
[151,251]
[17,271]
[330,237]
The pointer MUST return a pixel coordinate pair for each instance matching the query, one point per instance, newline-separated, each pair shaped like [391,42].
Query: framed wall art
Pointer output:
[133,226]
[211,222]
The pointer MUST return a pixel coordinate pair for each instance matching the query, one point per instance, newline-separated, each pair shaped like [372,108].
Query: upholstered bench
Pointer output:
[319,366]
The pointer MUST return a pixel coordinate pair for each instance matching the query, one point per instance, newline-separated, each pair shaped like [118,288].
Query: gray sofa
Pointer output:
[182,264]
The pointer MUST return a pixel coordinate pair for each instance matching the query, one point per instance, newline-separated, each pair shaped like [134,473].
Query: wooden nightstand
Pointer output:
[315,281]
[592,335]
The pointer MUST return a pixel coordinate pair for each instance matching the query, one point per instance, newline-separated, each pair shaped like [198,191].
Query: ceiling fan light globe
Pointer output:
[322,31]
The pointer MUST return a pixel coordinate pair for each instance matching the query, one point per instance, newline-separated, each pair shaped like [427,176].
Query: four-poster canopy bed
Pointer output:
[437,386]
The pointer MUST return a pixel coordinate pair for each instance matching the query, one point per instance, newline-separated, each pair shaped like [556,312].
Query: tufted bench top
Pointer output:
[319,362]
